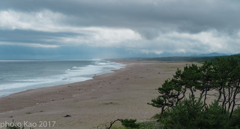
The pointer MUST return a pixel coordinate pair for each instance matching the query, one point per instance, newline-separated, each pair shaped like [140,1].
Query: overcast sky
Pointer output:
[76,29]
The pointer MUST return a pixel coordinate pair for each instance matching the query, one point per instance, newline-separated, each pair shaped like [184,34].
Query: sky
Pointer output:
[84,29]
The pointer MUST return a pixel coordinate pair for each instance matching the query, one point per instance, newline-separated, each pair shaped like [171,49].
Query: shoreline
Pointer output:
[72,72]
[54,87]
[122,94]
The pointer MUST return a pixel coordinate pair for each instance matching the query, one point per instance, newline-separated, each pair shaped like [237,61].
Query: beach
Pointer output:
[122,94]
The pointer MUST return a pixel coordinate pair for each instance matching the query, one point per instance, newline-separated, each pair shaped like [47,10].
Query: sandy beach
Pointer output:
[122,94]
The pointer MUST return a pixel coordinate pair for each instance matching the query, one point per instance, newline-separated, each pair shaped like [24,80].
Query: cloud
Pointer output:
[48,22]
[44,20]
[184,15]
[153,26]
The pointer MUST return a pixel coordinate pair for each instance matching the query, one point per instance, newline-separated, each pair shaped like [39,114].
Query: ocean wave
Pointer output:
[70,75]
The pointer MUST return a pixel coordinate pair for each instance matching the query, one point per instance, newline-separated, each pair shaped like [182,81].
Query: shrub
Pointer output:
[130,123]
[184,115]
[190,114]
[150,125]
[235,120]
[215,117]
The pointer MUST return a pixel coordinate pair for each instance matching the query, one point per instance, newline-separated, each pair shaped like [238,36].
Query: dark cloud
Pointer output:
[28,36]
[164,25]
[182,15]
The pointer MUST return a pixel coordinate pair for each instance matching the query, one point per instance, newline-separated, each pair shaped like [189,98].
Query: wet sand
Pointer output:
[123,94]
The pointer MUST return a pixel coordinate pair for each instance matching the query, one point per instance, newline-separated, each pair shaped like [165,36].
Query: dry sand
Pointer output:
[123,94]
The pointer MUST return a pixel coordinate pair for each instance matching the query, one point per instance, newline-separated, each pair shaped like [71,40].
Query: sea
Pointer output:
[22,75]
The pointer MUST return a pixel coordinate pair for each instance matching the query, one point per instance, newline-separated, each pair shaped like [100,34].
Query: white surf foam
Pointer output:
[73,74]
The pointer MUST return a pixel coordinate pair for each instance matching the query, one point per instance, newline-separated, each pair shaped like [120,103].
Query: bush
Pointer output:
[156,116]
[215,117]
[190,114]
[184,115]
[235,120]
[130,123]
[150,125]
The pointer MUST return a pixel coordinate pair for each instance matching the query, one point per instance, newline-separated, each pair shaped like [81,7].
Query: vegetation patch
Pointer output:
[156,116]
[221,75]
